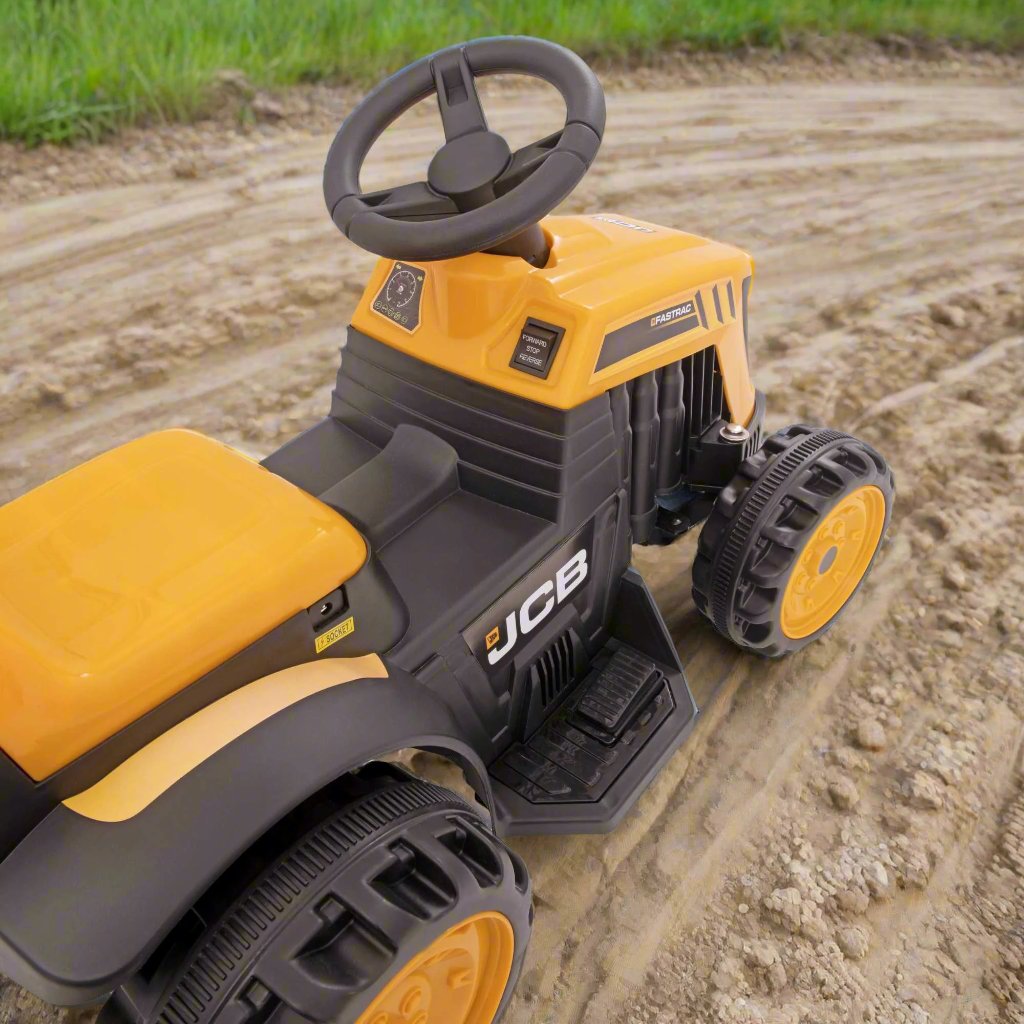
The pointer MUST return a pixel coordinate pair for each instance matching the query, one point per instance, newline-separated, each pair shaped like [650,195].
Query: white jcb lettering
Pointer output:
[511,636]
[528,617]
[571,575]
[530,621]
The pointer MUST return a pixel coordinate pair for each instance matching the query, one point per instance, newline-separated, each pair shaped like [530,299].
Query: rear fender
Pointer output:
[91,891]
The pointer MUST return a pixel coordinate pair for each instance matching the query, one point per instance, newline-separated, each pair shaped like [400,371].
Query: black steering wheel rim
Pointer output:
[420,222]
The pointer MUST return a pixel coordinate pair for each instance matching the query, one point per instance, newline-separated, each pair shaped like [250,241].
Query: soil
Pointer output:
[842,838]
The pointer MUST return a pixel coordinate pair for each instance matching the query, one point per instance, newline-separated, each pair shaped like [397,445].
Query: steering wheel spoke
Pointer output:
[525,161]
[416,201]
[457,98]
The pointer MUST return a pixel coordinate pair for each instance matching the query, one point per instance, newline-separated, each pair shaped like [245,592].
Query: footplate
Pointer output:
[591,759]
[571,758]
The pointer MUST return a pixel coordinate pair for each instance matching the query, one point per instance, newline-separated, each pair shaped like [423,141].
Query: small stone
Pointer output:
[761,954]
[843,792]
[186,169]
[853,941]
[53,390]
[728,975]
[151,371]
[1007,438]
[776,976]
[947,314]
[238,326]
[917,868]
[877,878]
[949,638]
[743,908]
[870,735]
[950,618]
[813,926]
[786,904]
[855,901]
[924,790]
[954,577]
[848,758]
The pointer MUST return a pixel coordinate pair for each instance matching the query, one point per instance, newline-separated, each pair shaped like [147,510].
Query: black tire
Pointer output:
[763,522]
[333,918]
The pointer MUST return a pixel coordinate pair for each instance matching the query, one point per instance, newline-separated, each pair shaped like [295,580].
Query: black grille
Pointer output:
[554,670]
[703,396]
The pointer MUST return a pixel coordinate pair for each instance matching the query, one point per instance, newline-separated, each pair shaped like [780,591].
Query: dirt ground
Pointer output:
[843,837]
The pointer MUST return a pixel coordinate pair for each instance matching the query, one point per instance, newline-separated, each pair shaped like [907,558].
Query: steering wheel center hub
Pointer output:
[469,165]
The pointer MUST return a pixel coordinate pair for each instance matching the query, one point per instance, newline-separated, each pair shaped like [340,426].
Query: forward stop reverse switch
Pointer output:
[535,350]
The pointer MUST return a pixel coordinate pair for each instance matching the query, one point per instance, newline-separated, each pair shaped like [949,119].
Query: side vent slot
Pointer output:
[548,679]
[553,672]
[703,396]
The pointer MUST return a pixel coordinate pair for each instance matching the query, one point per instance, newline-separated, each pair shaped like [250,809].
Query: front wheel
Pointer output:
[791,538]
[401,907]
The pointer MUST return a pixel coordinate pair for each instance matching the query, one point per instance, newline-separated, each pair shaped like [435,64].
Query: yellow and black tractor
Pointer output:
[207,663]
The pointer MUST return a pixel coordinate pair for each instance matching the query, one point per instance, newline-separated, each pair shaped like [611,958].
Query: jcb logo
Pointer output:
[537,607]
[557,578]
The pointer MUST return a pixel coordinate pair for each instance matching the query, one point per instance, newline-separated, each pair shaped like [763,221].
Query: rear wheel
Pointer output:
[402,907]
[791,538]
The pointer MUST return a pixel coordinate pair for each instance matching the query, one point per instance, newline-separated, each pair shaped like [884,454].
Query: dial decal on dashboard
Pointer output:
[402,288]
[399,298]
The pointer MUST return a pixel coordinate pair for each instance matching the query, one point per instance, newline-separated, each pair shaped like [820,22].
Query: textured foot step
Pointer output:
[620,687]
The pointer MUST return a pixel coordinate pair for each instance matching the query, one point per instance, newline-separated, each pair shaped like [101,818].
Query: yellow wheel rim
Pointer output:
[458,979]
[833,562]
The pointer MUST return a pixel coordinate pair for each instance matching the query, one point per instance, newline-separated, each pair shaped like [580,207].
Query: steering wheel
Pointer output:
[478,193]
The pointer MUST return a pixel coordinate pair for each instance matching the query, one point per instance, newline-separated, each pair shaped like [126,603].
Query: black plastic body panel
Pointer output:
[527,476]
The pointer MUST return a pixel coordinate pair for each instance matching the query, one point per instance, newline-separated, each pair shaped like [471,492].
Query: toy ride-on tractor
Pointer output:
[206,663]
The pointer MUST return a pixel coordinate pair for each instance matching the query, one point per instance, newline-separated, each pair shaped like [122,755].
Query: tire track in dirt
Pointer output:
[886,223]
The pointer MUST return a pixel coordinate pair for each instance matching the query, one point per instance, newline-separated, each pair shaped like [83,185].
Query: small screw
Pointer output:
[735,433]
[325,608]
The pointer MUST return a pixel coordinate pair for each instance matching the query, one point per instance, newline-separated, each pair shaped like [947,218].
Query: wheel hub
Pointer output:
[833,562]
[459,978]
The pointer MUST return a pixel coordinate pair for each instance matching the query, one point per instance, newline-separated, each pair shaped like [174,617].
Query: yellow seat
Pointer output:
[128,578]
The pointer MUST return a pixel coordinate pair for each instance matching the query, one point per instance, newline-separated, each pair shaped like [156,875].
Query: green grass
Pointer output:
[74,69]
